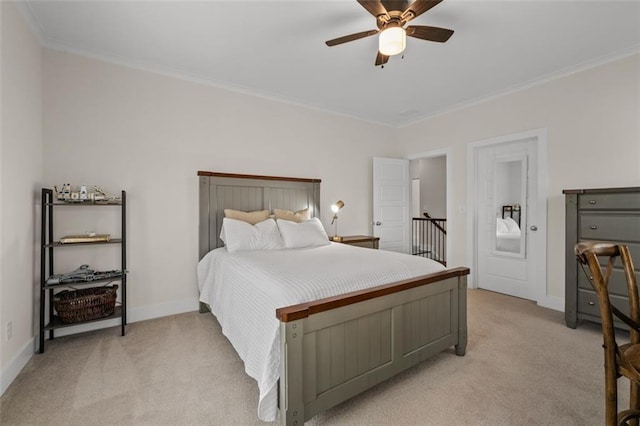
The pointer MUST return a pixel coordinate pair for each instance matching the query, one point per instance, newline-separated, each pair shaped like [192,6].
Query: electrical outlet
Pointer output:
[9,330]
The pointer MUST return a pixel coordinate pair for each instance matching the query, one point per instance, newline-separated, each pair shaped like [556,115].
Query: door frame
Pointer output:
[447,153]
[539,274]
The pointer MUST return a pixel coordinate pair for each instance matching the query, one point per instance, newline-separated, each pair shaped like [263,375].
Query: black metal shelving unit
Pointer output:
[48,244]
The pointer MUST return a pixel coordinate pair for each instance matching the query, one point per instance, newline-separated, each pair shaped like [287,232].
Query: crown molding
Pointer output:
[30,18]
[194,78]
[556,75]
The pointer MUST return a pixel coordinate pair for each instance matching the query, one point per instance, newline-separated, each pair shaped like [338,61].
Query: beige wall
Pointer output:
[432,173]
[20,180]
[593,122]
[118,127]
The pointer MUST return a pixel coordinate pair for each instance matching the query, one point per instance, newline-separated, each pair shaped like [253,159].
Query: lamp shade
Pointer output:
[337,206]
[392,41]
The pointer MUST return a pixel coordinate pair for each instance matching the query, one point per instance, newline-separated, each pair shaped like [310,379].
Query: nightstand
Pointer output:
[358,240]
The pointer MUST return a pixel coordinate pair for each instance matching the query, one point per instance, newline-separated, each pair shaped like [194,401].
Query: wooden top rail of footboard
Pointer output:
[303,310]
[241,176]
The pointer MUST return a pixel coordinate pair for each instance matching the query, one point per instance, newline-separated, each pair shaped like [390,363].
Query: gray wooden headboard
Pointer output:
[219,191]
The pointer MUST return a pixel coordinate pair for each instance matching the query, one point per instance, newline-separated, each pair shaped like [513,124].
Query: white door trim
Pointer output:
[448,153]
[472,249]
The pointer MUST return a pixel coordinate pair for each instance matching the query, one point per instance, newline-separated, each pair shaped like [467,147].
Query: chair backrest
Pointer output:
[590,253]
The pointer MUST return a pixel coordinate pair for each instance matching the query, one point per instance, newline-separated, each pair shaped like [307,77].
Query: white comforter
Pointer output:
[244,289]
[508,241]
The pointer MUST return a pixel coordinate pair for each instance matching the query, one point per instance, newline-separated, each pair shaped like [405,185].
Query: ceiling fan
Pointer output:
[391,16]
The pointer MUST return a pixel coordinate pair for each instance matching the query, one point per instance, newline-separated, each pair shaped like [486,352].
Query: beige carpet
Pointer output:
[523,366]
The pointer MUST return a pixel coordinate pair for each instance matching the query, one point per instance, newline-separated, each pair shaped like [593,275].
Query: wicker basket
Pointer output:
[85,304]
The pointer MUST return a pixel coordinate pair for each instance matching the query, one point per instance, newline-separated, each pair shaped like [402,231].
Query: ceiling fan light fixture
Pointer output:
[392,41]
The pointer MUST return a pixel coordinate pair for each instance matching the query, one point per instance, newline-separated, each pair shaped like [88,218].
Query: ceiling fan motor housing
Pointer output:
[392,21]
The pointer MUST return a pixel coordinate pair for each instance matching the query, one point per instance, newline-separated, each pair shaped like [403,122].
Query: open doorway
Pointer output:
[430,174]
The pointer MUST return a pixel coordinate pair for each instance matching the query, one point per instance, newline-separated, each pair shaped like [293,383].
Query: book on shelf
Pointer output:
[85,238]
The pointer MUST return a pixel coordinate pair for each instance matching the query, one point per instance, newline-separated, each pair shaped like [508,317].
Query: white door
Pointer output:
[510,219]
[391,192]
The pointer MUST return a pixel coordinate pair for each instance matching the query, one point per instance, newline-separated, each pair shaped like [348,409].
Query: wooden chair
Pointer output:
[619,360]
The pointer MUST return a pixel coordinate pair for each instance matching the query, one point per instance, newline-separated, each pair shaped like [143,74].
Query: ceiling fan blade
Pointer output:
[374,7]
[351,37]
[417,8]
[429,33]
[381,59]
[395,5]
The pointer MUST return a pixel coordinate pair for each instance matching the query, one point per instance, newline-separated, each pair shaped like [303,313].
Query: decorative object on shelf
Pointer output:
[89,237]
[65,194]
[336,208]
[99,194]
[85,304]
[82,195]
[83,274]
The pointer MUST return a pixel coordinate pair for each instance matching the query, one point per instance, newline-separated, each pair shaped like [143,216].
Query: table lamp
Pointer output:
[336,208]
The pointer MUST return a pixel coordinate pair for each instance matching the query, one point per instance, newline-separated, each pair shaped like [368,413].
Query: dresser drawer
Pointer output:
[619,201]
[608,227]
[588,303]
[617,283]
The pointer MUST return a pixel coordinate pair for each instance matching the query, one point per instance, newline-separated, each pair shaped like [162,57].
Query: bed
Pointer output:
[507,235]
[357,331]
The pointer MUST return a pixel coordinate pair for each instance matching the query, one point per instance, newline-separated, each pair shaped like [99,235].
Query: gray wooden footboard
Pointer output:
[336,348]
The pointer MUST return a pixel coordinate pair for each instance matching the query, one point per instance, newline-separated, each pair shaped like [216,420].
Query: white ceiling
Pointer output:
[276,48]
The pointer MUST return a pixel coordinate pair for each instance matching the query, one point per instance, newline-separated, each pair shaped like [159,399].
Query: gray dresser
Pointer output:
[604,215]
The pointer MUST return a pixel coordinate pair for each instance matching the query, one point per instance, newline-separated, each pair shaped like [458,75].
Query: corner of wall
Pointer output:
[552,302]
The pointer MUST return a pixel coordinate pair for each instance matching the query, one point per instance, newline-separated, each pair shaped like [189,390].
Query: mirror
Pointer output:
[510,199]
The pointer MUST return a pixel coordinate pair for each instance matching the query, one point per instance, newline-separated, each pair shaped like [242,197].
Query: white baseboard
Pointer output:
[552,302]
[142,313]
[8,375]
[163,310]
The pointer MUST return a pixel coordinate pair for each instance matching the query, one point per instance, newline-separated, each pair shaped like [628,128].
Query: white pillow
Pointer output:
[309,233]
[501,226]
[239,235]
[512,225]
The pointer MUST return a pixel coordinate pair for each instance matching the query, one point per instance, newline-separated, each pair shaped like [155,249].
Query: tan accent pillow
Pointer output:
[249,217]
[299,216]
